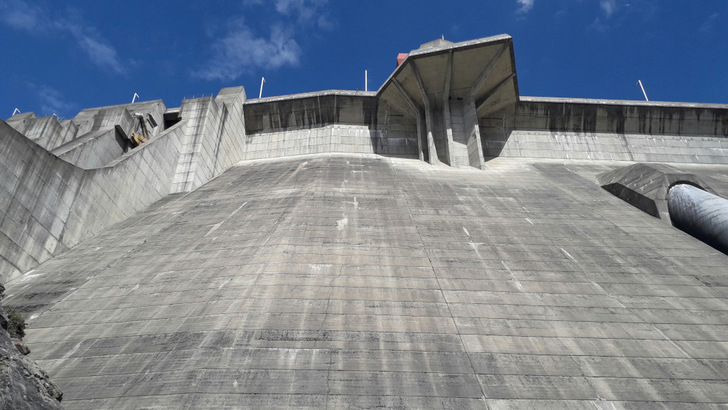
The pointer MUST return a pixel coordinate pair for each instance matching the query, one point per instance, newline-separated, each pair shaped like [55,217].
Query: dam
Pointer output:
[441,242]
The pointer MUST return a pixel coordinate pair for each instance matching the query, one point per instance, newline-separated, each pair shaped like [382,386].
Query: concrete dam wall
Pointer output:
[69,189]
[442,242]
[365,281]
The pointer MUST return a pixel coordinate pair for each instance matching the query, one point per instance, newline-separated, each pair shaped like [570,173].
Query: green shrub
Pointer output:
[16,323]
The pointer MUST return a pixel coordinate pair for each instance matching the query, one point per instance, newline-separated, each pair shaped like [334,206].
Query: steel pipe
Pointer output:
[700,214]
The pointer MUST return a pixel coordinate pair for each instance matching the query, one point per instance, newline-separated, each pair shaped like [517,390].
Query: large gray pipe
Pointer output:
[699,213]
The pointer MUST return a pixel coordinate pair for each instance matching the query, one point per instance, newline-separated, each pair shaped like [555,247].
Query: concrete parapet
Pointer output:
[620,117]
[95,136]
[47,132]
[310,110]
[329,121]
[608,130]
[332,138]
[123,115]
[95,148]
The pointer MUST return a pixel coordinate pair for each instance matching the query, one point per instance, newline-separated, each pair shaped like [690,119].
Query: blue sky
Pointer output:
[61,57]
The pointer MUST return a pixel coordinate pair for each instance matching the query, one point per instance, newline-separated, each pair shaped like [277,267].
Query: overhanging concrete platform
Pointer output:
[445,87]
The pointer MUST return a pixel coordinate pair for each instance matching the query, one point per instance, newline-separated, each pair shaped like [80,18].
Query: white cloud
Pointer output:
[608,7]
[22,16]
[599,25]
[709,23]
[526,5]
[100,53]
[324,22]
[241,51]
[51,100]
[305,9]
[306,12]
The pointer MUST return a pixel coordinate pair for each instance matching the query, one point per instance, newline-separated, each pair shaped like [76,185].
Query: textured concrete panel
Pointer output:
[563,128]
[357,280]
[213,137]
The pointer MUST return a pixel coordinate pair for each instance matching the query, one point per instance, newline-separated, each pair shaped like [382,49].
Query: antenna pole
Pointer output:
[16,111]
[643,90]
[262,81]
[366,81]
[134,98]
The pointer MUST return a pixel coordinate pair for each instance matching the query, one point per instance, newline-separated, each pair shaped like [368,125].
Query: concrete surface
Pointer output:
[365,281]
[636,131]
[451,103]
[51,199]
[326,122]
[47,132]
[48,205]
[211,138]
[646,186]
[443,87]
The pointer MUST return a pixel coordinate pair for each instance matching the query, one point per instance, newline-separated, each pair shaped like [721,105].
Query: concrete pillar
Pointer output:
[472,130]
[420,151]
[446,114]
[431,149]
[432,157]
[447,123]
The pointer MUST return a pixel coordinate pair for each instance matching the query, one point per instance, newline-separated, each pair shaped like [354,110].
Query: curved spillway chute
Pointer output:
[700,214]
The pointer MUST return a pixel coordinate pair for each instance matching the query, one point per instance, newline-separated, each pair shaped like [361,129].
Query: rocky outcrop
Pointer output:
[23,384]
